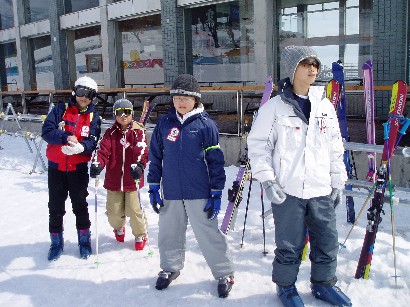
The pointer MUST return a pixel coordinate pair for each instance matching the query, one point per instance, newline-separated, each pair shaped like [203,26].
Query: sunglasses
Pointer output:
[84,92]
[123,112]
[313,63]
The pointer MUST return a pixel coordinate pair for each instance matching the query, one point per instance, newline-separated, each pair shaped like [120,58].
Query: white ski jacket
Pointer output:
[306,159]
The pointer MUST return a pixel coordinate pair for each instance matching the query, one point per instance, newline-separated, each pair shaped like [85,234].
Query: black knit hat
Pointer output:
[185,85]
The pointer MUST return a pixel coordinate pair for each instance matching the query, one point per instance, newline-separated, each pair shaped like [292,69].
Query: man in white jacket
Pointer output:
[296,152]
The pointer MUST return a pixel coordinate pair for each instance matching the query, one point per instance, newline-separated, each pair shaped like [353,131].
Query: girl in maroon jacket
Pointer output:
[124,152]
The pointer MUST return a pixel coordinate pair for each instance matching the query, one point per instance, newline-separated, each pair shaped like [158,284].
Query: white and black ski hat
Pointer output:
[122,104]
[87,82]
[292,56]
[185,85]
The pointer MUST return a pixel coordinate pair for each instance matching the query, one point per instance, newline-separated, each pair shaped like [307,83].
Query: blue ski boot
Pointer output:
[289,296]
[332,295]
[84,242]
[57,245]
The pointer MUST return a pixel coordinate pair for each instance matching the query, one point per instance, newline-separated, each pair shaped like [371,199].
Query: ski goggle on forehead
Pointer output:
[123,112]
[81,91]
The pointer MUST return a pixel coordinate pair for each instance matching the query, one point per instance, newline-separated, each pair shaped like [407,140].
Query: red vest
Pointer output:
[77,124]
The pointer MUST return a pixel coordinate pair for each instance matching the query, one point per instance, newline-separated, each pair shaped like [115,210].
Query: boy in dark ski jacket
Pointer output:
[71,130]
[296,152]
[185,155]
[124,152]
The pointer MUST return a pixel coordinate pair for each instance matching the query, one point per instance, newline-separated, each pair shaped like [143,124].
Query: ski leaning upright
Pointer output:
[338,75]
[369,108]
[391,131]
[235,193]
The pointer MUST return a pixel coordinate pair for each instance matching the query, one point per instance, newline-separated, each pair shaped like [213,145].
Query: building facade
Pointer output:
[49,44]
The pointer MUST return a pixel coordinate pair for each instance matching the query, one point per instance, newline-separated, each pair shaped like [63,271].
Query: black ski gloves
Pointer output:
[95,169]
[137,170]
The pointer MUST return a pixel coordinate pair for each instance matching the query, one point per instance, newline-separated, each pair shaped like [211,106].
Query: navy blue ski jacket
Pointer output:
[187,157]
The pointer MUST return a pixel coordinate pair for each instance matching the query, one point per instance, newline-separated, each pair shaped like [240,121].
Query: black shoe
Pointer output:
[225,285]
[165,278]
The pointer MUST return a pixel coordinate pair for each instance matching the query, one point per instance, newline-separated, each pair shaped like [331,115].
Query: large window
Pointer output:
[333,29]
[88,54]
[36,10]
[223,42]
[142,51]
[8,69]
[43,64]
[6,14]
[78,5]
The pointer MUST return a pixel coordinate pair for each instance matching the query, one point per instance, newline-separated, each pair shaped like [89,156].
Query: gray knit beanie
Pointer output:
[292,56]
[185,85]
[122,104]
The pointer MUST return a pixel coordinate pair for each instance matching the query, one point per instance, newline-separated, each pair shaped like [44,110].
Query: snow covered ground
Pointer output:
[125,277]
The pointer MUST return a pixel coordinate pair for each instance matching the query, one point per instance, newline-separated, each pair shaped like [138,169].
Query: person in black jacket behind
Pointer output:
[185,155]
[71,130]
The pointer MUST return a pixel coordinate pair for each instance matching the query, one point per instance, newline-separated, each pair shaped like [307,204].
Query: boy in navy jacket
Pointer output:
[185,155]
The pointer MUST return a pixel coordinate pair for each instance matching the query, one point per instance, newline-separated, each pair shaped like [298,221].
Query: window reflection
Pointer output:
[6,14]
[43,64]
[88,54]
[142,51]
[332,29]
[322,21]
[36,10]
[8,68]
[78,5]
[223,42]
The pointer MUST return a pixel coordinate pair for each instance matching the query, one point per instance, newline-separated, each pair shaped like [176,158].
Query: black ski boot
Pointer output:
[57,246]
[84,242]
[225,286]
[165,278]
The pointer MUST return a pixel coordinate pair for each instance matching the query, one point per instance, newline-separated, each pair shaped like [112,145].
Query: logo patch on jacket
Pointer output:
[322,121]
[85,131]
[173,134]
[124,143]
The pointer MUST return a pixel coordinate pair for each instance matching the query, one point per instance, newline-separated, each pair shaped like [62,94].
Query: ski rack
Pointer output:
[27,135]
[5,117]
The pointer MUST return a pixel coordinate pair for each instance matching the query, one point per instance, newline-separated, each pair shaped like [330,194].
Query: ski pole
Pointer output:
[402,131]
[144,217]
[96,217]
[246,211]
[263,223]
[342,245]
[393,201]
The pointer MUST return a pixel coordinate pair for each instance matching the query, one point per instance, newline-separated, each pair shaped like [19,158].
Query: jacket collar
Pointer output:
[285,92]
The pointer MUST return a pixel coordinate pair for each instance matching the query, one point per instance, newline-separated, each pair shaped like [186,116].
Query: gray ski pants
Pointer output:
[173,221]
[291,219]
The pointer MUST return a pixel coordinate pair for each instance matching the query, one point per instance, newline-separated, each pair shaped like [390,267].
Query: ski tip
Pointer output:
[367,65]
[150,253]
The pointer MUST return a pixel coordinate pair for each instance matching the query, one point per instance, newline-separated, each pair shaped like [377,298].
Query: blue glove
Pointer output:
[213,205]
[155,198]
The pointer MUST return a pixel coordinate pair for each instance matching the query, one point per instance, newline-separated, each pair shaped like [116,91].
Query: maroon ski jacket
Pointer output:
[118,150]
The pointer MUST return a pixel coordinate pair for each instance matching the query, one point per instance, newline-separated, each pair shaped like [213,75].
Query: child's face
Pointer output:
[184,104]
[82,102]
[123,117]
[306,72]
